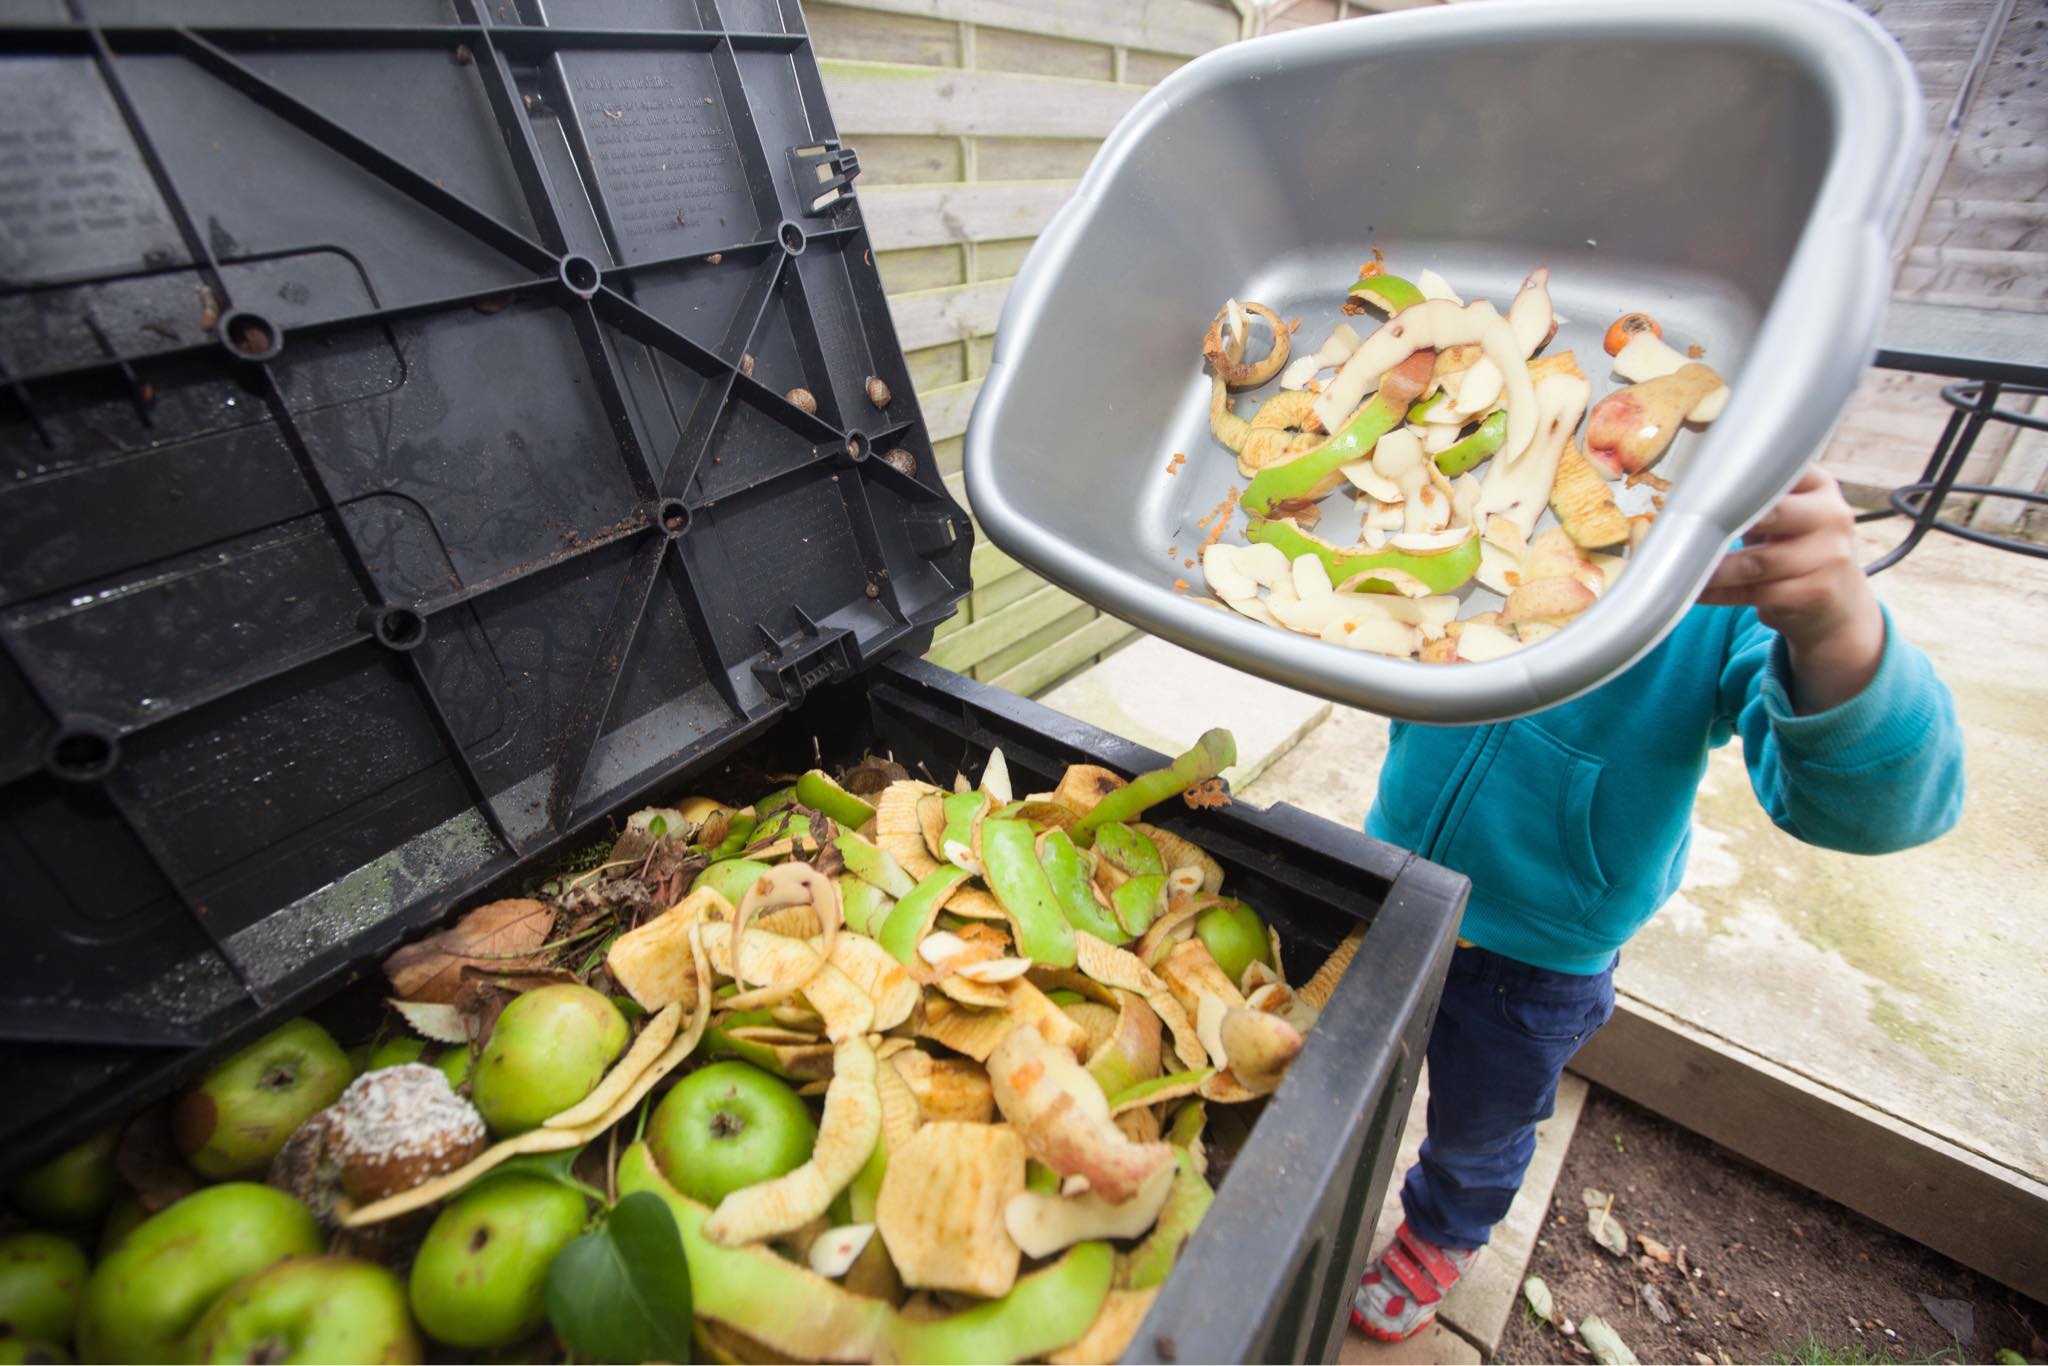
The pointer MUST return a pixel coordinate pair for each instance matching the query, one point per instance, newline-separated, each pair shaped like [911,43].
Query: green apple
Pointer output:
[548,1050]
[124,1218]
[23,1352]
[480,1278]
[71,1187]
[236,1119]
[395,1052]
[144,1298]
[1235,936]
[455,1063]
[41,1276]
[731,877]
[309,1309]
[726,1126]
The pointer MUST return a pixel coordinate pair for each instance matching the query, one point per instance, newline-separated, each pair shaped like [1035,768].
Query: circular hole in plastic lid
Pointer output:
[80,754]
[580,274]
[674,516]
[857,445]
[792,238]
[401,628]
[251,335]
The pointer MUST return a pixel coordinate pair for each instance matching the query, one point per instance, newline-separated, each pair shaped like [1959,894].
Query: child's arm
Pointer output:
[1798,568]
[1850,738]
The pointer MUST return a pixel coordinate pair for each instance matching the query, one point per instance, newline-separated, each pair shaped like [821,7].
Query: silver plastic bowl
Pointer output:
[1733,166]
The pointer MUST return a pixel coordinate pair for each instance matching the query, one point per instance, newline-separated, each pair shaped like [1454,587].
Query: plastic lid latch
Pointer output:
[823,173]
[791,669]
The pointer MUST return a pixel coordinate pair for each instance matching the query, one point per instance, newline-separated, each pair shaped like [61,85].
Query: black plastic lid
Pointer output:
[402,467]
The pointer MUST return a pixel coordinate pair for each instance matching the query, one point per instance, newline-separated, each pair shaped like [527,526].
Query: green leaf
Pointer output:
[622,1292]
[557,1167]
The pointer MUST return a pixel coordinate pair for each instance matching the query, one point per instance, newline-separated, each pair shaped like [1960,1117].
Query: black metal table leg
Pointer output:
[1928,512]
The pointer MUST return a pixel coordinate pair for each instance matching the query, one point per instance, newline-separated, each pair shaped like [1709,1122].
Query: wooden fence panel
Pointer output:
[974,120]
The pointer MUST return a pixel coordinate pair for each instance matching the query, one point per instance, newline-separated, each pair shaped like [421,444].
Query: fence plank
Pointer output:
[946,410]
[979,639]
[884,97]
[1186,27]
[1047,667]
[933,215]
[932,317]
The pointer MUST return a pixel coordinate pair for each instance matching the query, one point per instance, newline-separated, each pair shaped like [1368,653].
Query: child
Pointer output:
[1573,826]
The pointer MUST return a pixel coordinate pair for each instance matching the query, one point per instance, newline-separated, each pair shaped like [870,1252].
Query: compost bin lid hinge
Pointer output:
[823,173]
[790,669]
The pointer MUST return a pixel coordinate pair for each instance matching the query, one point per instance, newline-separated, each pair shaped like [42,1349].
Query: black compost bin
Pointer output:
[405,473]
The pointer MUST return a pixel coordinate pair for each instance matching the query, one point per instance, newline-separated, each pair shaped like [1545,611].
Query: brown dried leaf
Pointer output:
[499,938]
[148,1160]
[1654,1248]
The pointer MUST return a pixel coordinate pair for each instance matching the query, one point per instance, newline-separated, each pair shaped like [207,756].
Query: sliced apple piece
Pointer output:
[1479,642]
[1063,1117]
[1583,502]
[1044,1224]
[1547,601]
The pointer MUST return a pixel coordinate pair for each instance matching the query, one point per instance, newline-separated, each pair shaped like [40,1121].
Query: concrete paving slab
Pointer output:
[1479,1304]
[1157,694]
[1911,981]
[1435,1345]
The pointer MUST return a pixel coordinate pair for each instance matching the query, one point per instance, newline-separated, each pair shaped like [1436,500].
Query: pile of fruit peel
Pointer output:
[1012,1014]
[1409,415]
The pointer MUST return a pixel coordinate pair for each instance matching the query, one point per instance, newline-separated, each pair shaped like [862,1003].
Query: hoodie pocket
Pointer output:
[1526,836]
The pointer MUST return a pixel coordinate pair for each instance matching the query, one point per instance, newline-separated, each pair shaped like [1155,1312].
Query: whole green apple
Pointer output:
[548,1050]
[71,1187]
[731,877]
[23,1352]
[1235,937]
[236,1119]
[41,1277]
[124,1218]
[726,1126]
[480,1278]
[309,1309]
[395,1052]
[144,1298]
[455,1064]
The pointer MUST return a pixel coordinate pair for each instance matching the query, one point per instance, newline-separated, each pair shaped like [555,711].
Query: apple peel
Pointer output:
[1159,1090]
[833,1252]
[899,832]
[1116,1323]
[1114,967]
[654,1038]
[652,962]
[940,1211]
[1319,988]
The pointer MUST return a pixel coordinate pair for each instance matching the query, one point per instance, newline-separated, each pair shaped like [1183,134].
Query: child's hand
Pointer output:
[1798,567]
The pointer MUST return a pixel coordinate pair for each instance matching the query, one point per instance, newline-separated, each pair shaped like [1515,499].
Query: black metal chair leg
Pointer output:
[1934,461]
[1928,512]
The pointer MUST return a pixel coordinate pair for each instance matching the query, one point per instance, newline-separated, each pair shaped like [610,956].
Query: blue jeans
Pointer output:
[1503,1034]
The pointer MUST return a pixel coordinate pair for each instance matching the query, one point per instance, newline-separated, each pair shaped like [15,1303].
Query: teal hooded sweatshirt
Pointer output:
[1573,824]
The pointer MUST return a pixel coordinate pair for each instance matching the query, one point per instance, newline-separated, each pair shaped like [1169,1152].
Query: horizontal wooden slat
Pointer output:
[982,638]
[883,97]
[946,410]
[1034,675]
[932,317]
[1183,26]
[932,215]
[1025,648]
[989,563]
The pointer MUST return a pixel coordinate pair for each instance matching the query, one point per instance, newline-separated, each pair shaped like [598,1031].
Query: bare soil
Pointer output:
[1773,1271]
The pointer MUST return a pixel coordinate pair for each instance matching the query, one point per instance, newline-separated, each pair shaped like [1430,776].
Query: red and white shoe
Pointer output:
[1398,1295]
